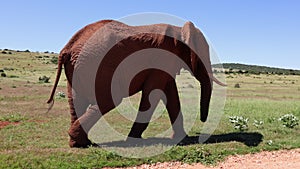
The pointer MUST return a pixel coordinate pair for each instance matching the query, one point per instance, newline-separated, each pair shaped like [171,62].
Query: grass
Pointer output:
[40,140]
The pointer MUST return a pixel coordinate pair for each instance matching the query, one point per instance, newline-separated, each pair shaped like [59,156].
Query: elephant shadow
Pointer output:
[250,139]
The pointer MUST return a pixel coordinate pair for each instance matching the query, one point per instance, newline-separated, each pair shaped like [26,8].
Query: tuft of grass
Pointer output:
[12,117]
[200,155]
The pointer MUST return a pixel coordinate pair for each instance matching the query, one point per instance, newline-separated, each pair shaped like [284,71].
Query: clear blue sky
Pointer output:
[263,32]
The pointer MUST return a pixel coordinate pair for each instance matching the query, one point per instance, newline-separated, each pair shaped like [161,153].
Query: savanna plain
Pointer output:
[261,114]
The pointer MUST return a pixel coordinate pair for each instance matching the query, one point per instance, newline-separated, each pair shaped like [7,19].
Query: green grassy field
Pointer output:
[32,138]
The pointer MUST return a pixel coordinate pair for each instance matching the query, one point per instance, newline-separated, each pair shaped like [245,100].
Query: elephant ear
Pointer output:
[194,38]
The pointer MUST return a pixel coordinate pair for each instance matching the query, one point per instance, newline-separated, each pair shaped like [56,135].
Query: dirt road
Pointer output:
[283,159]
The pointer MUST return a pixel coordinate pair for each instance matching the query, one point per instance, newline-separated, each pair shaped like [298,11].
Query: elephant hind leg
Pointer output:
[80,128]
[148,103]
[78,107]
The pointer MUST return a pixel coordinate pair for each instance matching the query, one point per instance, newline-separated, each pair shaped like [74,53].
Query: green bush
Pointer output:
[237,85]
[3,74]
[44,79]
[258,123]
[289,120]
[13,76]
[54,60]
[61,95]
[239,123]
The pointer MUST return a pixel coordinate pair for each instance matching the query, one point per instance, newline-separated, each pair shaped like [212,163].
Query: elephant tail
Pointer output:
[59,70]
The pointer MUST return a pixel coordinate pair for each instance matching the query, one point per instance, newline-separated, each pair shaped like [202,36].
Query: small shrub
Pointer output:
[54,60]
[44,79]
[13,76]
[61,95]
[258,123]
[3,52]
[3,74]
[270,142]
[289,120]
[14,86]
[237,85]
[239,123]
[8,68]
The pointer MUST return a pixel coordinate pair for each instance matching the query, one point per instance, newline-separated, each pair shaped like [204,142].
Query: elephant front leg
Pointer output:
[173,108]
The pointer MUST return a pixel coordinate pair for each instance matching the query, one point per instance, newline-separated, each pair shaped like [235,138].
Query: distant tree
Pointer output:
[240,72]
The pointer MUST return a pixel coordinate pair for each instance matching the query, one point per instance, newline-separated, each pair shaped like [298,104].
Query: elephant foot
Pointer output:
[78,137]
[80,144]
[179,135]
[133,137]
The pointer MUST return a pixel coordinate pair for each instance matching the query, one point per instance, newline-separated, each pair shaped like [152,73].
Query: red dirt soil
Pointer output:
[6,123]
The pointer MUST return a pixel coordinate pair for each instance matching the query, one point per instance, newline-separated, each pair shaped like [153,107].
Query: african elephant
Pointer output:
[89,75]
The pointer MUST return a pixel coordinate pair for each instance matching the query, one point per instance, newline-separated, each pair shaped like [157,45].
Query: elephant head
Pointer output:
[200,64]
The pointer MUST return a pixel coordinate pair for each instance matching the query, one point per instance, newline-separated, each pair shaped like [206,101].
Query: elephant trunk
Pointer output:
[204,75]
[206,91]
